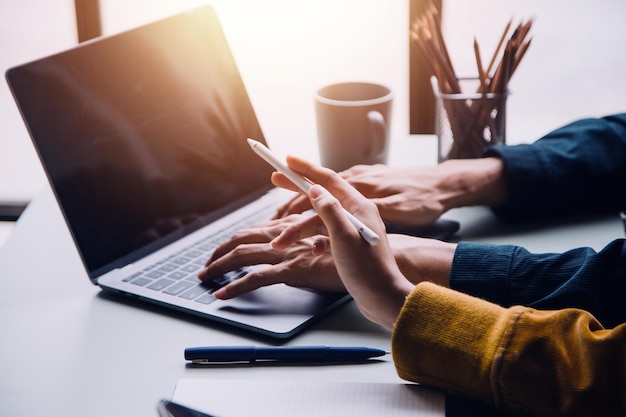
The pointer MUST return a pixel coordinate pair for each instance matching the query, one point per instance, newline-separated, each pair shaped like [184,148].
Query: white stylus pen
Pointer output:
[302,183]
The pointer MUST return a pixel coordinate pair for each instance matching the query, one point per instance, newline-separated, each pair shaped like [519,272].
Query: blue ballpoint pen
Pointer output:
[293,354]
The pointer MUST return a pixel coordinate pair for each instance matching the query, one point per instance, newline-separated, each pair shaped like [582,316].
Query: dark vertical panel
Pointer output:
[88,19]
[421,98]
[10,211]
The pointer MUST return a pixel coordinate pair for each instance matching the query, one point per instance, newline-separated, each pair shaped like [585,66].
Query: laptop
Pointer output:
[142,136]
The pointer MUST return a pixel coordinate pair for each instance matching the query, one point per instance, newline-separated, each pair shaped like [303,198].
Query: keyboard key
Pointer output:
[221,280]
[193,278]
[177,275]
[190,268]
[154,274]
[235,275]
[194,292]
[168,267]
[178,288]
[141,281]
[201,261]
[206,299]
[194,253]
[181,260]
[132,277]
[160,284]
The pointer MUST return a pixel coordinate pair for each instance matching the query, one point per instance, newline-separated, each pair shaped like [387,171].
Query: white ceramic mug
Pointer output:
[353,124]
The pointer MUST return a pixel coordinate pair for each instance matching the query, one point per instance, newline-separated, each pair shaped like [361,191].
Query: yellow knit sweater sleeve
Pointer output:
[519,360]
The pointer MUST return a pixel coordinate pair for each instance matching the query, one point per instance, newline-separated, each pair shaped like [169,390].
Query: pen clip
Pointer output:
[208,362]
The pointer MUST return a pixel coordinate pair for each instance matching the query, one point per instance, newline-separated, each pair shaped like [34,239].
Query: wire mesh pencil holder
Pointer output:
[468,122]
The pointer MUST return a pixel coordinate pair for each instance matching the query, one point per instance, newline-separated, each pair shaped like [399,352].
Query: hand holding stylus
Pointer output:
[369,273]
[303,184]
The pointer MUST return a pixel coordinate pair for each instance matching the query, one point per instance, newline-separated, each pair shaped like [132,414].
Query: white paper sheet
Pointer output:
[246,398]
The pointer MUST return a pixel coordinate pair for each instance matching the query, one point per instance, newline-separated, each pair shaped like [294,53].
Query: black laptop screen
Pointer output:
[141,133]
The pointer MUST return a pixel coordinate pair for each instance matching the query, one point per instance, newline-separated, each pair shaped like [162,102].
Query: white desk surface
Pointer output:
[67,350]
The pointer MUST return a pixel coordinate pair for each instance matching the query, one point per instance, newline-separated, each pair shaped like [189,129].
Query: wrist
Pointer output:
[423,259]
[472,182]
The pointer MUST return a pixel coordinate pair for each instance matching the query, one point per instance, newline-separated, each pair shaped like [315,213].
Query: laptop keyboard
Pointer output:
[176,275]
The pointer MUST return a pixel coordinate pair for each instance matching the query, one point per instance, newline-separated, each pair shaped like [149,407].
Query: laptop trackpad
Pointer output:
[278,299]
[277,306]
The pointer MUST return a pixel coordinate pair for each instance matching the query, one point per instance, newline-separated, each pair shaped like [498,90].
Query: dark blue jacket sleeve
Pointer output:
[577,169]
[580,278]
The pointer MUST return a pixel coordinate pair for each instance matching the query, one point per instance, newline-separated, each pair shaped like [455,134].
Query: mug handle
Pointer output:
[379,133]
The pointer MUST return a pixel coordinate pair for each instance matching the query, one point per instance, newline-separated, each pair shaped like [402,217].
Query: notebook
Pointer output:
[142,136]
[305,398]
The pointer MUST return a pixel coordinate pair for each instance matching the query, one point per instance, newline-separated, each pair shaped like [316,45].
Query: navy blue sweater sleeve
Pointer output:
[576,169]
[579,168]
[580,278]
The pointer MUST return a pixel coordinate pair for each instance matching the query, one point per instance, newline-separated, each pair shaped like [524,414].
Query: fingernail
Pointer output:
[316,191]
[275,243]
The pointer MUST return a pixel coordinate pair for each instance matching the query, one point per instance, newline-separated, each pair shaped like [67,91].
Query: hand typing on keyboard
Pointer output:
[295,266]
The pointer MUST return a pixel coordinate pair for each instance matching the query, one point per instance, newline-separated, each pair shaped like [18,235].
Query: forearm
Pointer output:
[515,359]
[578,168]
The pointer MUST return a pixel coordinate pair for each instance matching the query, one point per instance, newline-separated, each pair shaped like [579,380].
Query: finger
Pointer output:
[249,282]
[239,257]
[280,180]
[298,204]
[339,189]
[261,233]
[310,227]
[332,214]
[238,238]
[354,170]
[328,178]
[252,281]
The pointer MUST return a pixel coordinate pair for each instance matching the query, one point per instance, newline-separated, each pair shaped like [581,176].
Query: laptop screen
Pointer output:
[142,134]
